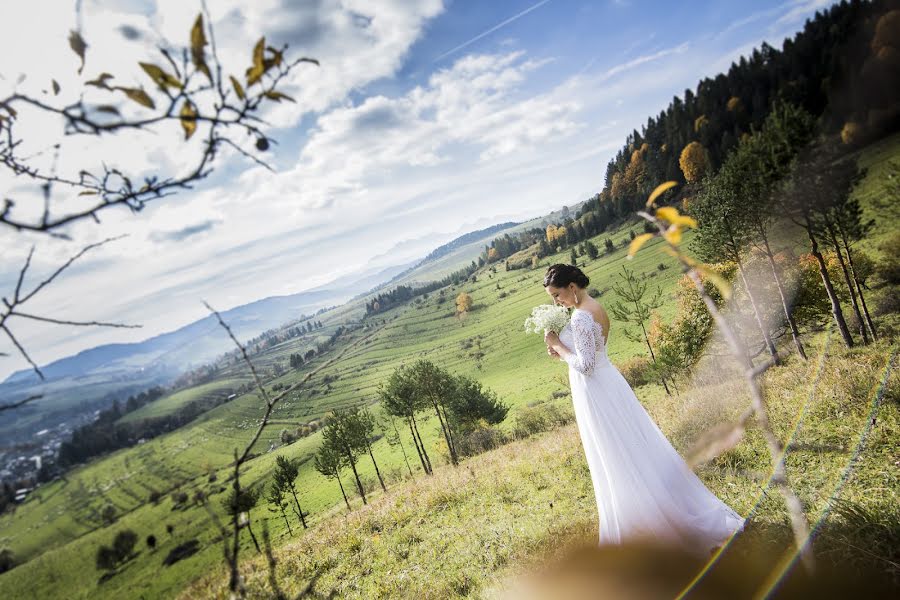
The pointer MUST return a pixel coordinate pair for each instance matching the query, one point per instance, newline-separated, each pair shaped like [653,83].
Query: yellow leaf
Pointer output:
[139,96]
[673,235]
[637,242]
[660,189]
[100,81]
[160,77]
[88,193]
[716,279]
[188,117]
[277,96]
[78,46]
[108,108]
[668,213]
[277,56]
[55,85]
[685,221]
[198,42]
[255,72]
[238,88]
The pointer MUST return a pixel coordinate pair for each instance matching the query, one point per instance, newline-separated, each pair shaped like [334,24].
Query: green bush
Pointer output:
[541,417]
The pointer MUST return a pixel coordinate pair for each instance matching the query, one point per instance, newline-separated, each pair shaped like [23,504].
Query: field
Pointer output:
[58,530]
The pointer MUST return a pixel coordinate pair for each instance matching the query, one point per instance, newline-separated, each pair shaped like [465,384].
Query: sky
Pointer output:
[425,120]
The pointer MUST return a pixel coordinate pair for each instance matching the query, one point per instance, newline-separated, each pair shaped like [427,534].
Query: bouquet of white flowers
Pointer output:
[547,317]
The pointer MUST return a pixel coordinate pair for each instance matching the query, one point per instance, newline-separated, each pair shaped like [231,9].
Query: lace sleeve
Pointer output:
[585,352]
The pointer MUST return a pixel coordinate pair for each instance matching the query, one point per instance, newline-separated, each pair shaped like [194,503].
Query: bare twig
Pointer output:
[231,555]
[799,523]
[19,403]
[231,113]
[10,307]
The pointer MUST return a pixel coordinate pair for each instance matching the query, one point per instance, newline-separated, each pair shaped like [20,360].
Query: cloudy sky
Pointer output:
[425,120]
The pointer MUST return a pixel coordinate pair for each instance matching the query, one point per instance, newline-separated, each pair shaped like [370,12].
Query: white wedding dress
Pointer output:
[644,488]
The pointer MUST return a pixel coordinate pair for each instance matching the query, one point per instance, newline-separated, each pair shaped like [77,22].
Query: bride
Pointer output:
[643,487]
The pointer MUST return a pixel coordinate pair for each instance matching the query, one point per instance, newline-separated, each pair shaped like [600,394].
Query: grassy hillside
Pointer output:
[62,521]
[59,528]
[469,530]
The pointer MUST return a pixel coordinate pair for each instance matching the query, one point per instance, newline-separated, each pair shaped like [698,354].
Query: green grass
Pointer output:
[172,402]
[62,523]
[58,529]
[469,530]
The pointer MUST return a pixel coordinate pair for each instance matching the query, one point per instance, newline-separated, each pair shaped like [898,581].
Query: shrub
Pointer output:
[108,514]
[636,371]
[123,544]
[181,552]
[541,417]
[106,558]
[179,498]
[481,439]
[7,560]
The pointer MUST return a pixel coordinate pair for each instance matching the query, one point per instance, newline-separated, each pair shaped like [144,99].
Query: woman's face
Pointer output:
[564,296]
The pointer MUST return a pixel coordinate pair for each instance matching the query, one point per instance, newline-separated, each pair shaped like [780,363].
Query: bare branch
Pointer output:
[76,323]
[227,116]
[231,555]
[19,403]
[66,265]
[799,523]
[11,307]
[22,275]
[22,351]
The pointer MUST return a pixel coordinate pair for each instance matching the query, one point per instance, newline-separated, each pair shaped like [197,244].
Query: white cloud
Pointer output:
[503,130]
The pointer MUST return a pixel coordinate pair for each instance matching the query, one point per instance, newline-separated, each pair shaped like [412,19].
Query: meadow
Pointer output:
[504,496]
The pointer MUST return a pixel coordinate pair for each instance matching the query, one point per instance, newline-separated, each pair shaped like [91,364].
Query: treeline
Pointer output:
[106,435]
[465,239]
[386,301]
[841,69]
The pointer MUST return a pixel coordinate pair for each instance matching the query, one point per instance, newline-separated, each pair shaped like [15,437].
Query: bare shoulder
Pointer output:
[598,314]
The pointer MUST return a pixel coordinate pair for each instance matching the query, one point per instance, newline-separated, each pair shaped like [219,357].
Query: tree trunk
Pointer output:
[836,311]
[362,492]
[653,357]
[445,429]
[343,493]
[376,466]
[853,301]
[402,449]
[792,323]
[859,287]
[759,321]
[299,510]
[736,254]
[422,445]
[252,535]
[286,522]
[449,429]
[416,444]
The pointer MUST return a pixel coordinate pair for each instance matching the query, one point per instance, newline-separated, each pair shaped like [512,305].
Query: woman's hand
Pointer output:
[551,338]
[553,353]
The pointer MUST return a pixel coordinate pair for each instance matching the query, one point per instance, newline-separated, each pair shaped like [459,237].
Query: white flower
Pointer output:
[547,317]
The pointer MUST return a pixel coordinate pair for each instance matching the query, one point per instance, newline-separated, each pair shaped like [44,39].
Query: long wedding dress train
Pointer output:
[644,489]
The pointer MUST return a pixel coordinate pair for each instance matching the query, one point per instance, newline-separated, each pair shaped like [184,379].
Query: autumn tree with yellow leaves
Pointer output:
[694,162]
[463,303]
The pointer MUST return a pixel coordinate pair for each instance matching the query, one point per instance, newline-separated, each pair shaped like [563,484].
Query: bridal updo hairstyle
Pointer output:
[560,276]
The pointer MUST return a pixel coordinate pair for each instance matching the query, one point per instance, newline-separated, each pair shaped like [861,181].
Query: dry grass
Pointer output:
[471,530]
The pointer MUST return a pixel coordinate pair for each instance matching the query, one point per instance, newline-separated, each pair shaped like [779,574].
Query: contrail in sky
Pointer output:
[492,29]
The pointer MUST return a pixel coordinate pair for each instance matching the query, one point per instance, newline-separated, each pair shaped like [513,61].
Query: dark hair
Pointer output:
[560,276]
